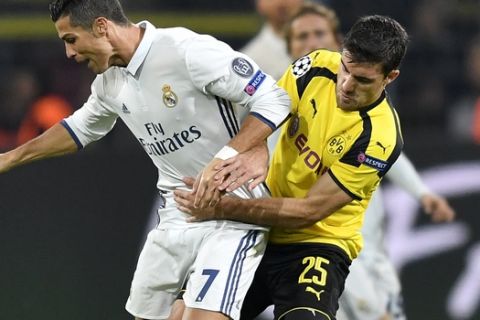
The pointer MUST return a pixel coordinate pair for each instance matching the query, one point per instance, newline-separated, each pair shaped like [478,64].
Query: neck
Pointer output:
[277,28]
[125,42]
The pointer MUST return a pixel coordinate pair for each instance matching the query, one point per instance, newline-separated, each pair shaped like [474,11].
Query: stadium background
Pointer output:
[71,228]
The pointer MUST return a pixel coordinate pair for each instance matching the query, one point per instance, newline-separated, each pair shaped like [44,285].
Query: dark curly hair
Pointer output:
[377,39]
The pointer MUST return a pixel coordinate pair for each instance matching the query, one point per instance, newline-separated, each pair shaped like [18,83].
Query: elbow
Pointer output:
[309,219]
[308,216]
[311,214]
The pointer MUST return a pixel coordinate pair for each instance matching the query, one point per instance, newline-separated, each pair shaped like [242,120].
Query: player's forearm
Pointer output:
[323,199]
[278,212]
[54,142]
[253,133]
[269,109]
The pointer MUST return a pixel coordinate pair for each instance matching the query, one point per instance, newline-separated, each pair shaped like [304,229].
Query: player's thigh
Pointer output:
[308,279]
[178,308]
[161,270]
[256,300]
[201,314]
[224,269]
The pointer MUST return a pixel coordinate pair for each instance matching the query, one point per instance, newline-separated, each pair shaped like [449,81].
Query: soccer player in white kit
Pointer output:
[174,90]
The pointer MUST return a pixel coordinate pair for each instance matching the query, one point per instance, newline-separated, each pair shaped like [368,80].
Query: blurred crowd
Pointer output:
[437,95]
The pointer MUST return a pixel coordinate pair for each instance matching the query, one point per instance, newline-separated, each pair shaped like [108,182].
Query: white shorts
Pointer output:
[372,289]
[219,263]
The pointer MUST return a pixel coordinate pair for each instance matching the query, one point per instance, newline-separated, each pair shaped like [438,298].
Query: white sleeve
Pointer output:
[217,69]
[404,174]
[92,121]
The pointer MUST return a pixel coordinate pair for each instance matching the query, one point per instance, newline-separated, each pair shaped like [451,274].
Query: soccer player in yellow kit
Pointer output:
[342,137]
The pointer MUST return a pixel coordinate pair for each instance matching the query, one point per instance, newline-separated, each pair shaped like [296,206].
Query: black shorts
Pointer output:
[302,275]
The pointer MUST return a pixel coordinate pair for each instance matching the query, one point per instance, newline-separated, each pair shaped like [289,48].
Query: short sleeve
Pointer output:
[92,121]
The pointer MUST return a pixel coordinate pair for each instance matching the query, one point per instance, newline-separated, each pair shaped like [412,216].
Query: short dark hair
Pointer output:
[316,9]
[84,12]
[377,39]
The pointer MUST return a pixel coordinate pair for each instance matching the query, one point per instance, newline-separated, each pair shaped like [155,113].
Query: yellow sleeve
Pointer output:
[359,177]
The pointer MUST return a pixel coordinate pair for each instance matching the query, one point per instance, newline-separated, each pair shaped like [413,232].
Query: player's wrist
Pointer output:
[226,152]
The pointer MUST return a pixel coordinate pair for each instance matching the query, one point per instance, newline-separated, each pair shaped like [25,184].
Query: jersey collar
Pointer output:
[143,48]
[374,104]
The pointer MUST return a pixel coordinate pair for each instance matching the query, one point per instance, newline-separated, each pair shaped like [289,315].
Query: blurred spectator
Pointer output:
[268,48]
[464,117]
[18,90]
[423,100]
[25,113]
[44,113]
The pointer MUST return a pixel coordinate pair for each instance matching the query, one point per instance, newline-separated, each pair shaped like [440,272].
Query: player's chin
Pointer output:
[96,68]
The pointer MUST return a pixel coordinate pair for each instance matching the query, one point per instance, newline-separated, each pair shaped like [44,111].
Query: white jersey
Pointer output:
[176,97]
[269,50]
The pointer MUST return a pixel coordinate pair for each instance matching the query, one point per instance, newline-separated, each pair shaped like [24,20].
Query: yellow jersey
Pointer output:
[356,148]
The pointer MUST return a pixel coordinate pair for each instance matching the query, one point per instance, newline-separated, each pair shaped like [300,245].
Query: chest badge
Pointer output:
[293,126]
[170,99]
[336,145]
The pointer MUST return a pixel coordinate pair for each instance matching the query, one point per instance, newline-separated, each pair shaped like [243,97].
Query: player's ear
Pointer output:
[391,76]
[100,26]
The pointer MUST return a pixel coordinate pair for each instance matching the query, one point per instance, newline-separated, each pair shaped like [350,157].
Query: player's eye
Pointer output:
[319,34]
[364,80]
[70,40]
[302,36]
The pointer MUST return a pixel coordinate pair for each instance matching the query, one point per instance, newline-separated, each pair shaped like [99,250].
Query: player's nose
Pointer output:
[348,84]
[69,51]
[313,43]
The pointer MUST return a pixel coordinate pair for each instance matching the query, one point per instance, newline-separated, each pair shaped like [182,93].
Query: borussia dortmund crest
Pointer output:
[336,145]
[170,99]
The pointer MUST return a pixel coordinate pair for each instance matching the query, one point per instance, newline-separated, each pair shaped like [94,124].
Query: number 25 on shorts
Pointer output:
[320,276]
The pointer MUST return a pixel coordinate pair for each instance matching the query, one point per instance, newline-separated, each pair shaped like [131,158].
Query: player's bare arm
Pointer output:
[56,141]
[324,198]
[437,207]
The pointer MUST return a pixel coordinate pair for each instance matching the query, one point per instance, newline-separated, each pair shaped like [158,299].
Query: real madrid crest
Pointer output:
[170,99]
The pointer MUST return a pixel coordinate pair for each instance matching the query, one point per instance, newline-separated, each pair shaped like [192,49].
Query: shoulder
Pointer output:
[321,65]
[109,83]
[172,39]
[323,58]
[317,63]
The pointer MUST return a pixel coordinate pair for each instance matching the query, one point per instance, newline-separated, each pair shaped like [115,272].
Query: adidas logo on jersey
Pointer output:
[125,109]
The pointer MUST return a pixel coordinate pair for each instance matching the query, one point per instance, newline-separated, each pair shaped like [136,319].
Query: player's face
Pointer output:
[360,84]
[310,32]
[85,45]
